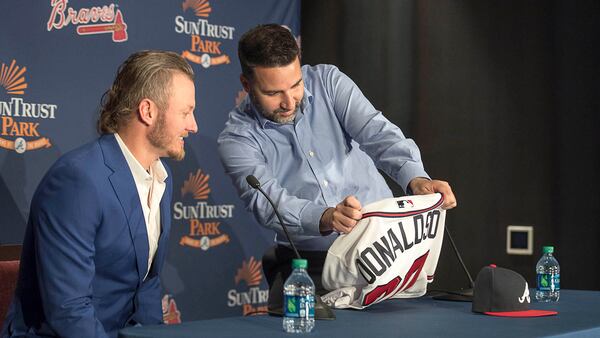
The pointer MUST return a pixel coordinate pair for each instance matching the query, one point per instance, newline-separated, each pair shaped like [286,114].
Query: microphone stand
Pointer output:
[463,295]
[322,310]
[280,221]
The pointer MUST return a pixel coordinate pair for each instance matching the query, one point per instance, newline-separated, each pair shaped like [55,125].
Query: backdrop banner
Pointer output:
[58,57]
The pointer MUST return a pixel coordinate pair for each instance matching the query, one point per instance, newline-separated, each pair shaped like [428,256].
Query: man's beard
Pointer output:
[274,115]
[159,139]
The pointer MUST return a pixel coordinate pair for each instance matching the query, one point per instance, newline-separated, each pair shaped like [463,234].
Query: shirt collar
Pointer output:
[248,107]
[137,170]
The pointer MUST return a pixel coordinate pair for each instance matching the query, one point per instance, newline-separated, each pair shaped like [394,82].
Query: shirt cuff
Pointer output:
[409,171]
[310,217]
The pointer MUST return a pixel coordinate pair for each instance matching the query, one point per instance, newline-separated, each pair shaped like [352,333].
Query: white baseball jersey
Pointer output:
[392,252]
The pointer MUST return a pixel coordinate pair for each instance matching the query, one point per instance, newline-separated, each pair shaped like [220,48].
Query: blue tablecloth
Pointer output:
[579,316]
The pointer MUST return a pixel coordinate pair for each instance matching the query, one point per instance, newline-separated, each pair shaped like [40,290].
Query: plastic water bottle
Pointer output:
[299,300]
[548,277]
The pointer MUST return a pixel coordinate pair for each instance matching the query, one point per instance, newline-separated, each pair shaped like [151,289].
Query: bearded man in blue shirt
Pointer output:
[315,143]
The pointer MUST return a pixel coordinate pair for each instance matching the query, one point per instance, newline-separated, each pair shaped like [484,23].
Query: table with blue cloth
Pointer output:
[578,316]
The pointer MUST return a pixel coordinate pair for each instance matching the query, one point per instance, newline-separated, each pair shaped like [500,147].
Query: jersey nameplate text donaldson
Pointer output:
[392,252]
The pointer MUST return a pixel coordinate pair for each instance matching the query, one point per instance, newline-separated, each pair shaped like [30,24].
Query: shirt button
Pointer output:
[311,153]
[325,183]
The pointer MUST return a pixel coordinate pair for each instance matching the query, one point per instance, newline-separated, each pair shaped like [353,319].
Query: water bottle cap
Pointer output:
[548,249]
[299,263]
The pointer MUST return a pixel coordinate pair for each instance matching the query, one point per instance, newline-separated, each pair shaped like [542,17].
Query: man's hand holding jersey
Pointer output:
[342,218]
[424,186]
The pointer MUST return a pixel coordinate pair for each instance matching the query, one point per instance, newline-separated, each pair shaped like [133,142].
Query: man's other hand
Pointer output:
[342,218]
[423,186]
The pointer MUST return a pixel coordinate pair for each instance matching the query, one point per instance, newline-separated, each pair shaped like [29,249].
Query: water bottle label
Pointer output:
[548,282]
[299,306]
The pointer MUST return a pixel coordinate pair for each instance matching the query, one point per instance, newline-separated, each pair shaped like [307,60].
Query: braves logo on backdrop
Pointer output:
[251,298]
[107,19]
[171,314]
[206,38]
[202,219]
[20,120]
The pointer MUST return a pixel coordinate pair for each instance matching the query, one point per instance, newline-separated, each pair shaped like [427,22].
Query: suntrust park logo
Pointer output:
[19,126]
[247,293]
[205,37]
[89,20]
[202,219]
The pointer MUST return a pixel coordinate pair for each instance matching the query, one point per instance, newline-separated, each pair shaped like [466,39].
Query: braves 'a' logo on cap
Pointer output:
[496,293]
[525,295]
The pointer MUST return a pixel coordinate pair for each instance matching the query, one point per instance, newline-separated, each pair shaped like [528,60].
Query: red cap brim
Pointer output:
[527,313]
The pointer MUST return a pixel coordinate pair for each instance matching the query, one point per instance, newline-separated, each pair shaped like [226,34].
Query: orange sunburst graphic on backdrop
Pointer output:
[197,185]
[12,78]
[249,272]
[200,7]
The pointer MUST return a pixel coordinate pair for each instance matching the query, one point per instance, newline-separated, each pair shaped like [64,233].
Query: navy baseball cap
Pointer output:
[503,292]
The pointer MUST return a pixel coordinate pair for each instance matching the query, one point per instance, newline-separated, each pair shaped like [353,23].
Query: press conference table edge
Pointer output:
[579,316]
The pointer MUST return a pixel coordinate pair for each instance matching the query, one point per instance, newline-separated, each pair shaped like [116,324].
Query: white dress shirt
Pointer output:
[151,187]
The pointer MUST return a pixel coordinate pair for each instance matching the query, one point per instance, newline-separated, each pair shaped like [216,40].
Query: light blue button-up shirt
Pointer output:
[331,150]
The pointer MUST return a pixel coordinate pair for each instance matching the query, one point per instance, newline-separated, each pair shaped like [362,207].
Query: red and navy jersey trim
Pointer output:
[403,214]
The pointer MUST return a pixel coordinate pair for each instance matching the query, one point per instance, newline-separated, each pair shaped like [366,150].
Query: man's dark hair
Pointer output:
[269,45]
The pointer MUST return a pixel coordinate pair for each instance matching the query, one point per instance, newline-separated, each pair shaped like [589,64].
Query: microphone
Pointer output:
[471,283]
[322,310]
[254,183]
[465,295]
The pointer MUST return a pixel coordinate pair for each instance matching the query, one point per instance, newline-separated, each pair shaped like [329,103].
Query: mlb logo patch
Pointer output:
[405,204]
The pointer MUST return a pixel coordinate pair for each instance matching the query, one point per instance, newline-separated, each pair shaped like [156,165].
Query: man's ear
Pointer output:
[147,112]
[245,83]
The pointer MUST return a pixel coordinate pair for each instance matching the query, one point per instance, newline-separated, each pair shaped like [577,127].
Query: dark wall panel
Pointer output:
[501,97]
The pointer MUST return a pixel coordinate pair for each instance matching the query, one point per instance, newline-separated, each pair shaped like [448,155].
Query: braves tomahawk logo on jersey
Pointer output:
[392,252]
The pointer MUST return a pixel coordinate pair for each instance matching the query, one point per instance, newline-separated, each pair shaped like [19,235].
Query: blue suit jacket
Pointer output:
[85,252]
